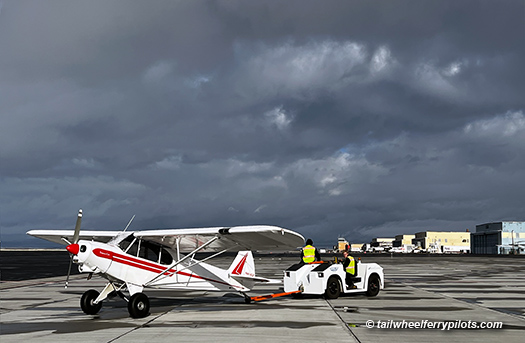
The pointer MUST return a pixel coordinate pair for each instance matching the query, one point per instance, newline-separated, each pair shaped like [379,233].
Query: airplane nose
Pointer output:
[73,248]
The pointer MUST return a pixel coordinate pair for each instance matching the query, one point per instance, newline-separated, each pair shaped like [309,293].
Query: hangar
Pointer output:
[506,237]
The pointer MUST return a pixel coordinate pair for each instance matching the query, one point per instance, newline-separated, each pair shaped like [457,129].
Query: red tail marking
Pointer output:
[238,269]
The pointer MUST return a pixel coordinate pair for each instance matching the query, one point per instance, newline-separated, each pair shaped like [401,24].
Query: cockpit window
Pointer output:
[126,243]
[148,250]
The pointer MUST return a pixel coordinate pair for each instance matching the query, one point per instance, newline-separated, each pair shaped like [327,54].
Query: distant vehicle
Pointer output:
[356,248]
[403,249]
[455,249]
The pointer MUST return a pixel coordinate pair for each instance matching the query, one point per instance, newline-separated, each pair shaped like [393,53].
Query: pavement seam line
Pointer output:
[144,325]
[138,327]
[468,303]
[344,323]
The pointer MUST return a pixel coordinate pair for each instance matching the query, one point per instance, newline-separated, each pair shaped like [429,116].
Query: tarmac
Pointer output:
[422,293]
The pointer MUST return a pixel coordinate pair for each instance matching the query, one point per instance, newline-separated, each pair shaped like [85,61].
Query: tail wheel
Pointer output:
[87,302]
[247,299]
[333,288]
[138,305]
[374,285]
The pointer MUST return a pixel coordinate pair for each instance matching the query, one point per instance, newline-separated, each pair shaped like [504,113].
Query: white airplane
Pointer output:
[517,246]
[165,259]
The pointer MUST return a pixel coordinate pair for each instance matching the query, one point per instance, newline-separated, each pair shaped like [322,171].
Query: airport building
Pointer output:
[443,241]
[403,243]
[342,244]
[499,238]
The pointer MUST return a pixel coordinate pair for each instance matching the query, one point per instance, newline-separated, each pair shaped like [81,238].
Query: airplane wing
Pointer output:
[58,236]
[258,237]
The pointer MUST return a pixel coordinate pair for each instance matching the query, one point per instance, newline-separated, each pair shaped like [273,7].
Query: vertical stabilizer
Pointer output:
[243,265]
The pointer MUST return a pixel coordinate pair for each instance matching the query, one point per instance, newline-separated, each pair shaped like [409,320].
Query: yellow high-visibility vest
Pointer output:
[309,254]
[351,266]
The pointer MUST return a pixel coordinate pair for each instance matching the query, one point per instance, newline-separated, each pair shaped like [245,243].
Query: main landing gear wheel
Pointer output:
[138,305]
[333,288]
[374,285]
[87,302]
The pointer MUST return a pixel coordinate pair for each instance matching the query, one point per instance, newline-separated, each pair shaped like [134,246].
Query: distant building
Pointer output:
[499,238]
[342,244]
[403,243]
[442,241]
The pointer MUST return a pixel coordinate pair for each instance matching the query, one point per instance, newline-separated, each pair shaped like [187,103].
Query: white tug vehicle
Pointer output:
[329,279]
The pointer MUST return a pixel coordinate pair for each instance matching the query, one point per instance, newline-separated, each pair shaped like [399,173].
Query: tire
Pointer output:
[138,305]
[86,302]
[247,299]
[333,288]
[374,285]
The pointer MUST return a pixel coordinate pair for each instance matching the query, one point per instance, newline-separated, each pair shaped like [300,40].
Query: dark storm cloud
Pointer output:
[355,118]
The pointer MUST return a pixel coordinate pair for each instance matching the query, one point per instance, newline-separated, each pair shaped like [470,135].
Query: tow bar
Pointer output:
[270,296]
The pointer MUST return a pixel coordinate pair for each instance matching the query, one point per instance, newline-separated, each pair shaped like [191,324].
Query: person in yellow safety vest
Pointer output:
[309,253]
[349,266]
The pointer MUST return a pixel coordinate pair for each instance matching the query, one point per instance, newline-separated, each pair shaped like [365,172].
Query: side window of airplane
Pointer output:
[149,251]
[154,253]
[145,249]
[165,257]
[129,245]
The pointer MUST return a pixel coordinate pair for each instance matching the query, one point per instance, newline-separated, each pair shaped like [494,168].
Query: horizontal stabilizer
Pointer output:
[242,279]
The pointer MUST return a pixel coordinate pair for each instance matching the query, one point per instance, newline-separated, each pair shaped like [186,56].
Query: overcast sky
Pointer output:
[331,118]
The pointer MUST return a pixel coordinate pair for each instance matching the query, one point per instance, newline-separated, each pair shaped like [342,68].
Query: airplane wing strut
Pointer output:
[182,260]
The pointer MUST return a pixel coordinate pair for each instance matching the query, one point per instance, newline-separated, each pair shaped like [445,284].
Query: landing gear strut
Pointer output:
[247,298]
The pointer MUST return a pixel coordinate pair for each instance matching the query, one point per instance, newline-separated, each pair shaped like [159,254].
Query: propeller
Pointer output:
[73,246]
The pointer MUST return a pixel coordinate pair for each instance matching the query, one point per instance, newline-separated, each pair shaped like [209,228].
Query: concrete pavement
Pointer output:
[418,288]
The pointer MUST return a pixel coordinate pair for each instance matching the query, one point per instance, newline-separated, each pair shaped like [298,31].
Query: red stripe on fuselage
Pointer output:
[147,265]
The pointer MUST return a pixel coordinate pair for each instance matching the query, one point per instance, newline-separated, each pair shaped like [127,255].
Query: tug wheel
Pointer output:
[333,288]
[138,305]
[87,302]
[374,284]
